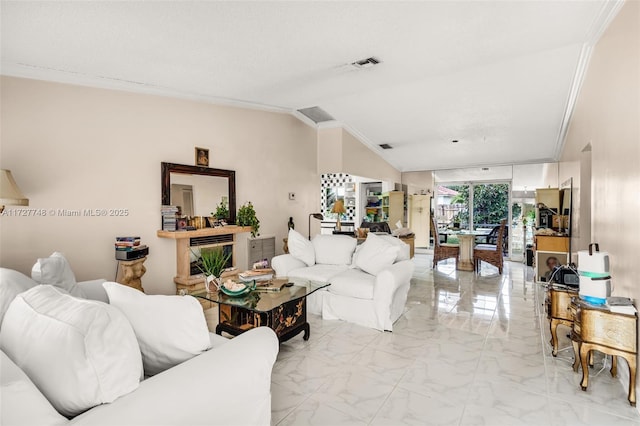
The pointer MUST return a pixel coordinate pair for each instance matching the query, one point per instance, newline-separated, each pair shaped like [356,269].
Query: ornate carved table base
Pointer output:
[597,329]
[130,273]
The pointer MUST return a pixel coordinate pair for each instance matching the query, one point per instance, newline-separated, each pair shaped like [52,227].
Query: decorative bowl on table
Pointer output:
[235,289]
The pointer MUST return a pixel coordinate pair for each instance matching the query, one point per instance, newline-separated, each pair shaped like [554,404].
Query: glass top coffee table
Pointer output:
[284,311]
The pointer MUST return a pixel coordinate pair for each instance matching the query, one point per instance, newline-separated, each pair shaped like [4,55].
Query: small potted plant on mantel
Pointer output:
[221,214]
[212,263]
[247,217]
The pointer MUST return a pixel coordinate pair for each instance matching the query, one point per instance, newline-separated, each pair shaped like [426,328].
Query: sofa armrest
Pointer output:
[227,385]
[285,263]
[390,280]
[93,290]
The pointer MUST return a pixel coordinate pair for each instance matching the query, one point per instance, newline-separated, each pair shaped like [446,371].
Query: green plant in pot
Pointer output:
[222,212]
[212,263]
[247,217]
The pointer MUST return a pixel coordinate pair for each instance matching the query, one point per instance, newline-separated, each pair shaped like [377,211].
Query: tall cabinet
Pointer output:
[419,217]
[393,208]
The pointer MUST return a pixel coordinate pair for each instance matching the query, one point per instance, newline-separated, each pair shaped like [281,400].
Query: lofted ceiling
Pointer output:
[498,76]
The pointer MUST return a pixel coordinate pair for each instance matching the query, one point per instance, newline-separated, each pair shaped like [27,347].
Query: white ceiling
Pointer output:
[499,76]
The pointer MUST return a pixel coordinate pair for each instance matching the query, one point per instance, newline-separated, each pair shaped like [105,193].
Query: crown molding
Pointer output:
[101,82]
[606,14]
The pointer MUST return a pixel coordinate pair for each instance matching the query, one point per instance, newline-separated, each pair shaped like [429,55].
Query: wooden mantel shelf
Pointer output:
[183,249]
[204,232]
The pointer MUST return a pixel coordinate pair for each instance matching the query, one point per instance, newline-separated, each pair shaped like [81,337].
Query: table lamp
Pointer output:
[9,192]
[315,216]
[338,208]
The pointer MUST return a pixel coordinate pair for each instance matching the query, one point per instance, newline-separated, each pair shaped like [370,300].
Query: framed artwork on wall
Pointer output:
[202,157]
[546,261]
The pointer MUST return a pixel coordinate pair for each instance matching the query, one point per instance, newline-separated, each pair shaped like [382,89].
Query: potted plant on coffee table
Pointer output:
[212,263]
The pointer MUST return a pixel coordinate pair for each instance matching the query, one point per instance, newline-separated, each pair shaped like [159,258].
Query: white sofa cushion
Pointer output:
[79,353]
[12,283]
[301,248]
[376,254]
[55,270]
[353,283]
[404,252]
[170,329]
[322,273]
[334,249]
[22,402]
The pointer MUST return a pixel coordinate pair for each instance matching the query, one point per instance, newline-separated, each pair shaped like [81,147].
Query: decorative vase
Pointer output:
[211,283]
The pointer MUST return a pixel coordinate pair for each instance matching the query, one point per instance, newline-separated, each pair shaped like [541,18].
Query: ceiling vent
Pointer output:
[316,114]
[366,63]
[385,146]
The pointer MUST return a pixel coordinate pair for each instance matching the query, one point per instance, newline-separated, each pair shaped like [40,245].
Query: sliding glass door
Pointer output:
[477,206]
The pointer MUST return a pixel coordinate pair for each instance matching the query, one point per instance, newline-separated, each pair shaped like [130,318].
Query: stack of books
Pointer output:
[263,274]
[129,248]
[169,215]
[621,305]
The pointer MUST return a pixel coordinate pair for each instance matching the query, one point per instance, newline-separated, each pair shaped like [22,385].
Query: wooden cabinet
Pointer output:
[551,243]
[261,248]
[419,217]
[393,208]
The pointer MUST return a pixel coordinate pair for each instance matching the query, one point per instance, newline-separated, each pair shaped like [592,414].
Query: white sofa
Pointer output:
[228,384]
[369,282]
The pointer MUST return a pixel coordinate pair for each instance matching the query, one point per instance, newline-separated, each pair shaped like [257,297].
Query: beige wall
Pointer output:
[606,118]
[72,147]
[359,160]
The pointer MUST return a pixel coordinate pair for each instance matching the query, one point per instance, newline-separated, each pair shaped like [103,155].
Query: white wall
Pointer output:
[72,147]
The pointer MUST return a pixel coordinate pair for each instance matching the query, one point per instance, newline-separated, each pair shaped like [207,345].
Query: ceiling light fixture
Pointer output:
[454,141]
[385,146]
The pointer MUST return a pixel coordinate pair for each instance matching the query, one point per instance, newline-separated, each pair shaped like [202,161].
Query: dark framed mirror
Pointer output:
[198,190]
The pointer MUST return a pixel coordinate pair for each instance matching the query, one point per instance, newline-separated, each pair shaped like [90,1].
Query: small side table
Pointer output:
[615,334]
[558,311]
[130,272]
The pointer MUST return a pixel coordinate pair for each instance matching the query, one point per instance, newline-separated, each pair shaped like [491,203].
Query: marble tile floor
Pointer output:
[469,350]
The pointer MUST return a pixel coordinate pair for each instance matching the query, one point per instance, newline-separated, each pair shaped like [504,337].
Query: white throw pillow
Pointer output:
[79,353]
[301,248]
[376,254]
[404,251]
[334,249]
[12,283]
[170,329]
[55,270]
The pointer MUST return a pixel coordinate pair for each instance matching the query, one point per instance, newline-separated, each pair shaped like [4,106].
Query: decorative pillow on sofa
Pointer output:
[56,271]
[12,283]
[376,254]
[404,252]
[334,249]
[301,248]
[170,329]
[79,353]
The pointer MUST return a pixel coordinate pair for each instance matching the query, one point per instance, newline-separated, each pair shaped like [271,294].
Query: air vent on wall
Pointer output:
[385,146]
[316,114]
[366,63]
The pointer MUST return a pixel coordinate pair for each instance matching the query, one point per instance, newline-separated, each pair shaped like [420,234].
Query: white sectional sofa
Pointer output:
[369,282]
[54,357]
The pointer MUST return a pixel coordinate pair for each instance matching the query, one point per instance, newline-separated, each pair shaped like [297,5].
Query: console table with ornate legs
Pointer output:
[557,306]
[598,329]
